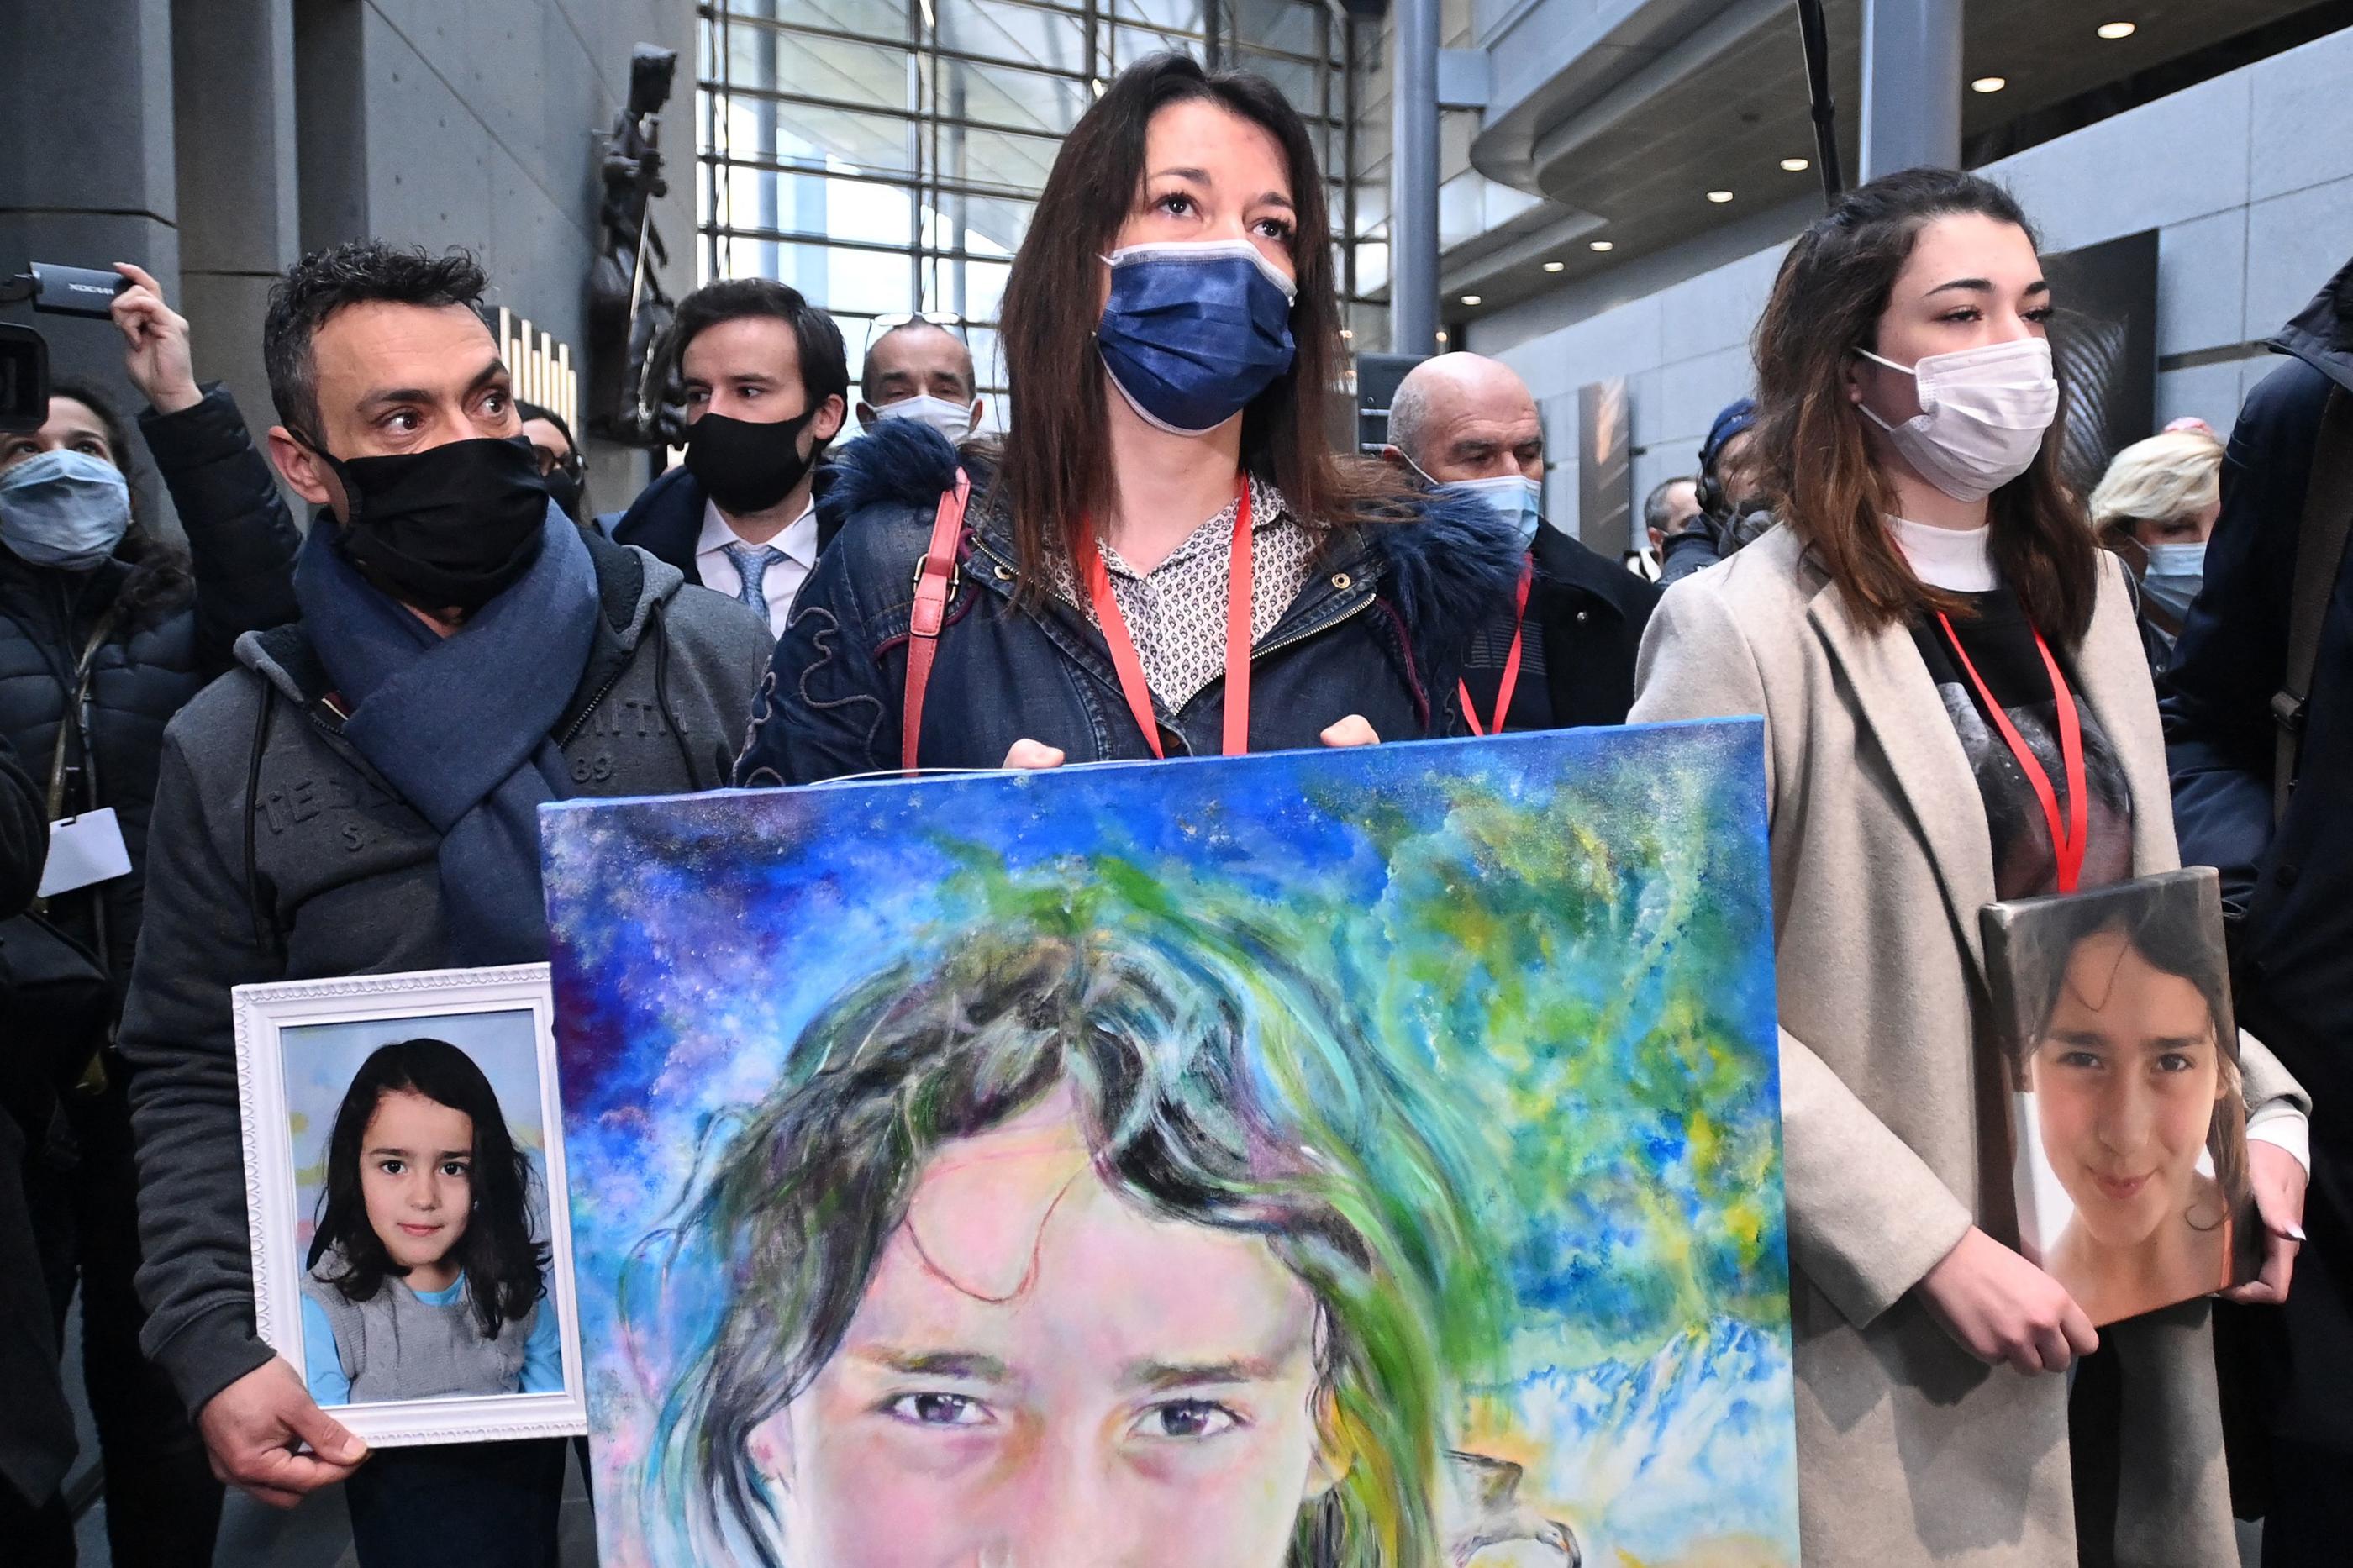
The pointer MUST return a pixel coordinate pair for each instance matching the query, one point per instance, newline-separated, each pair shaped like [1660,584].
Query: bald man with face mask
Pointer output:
[1468,424]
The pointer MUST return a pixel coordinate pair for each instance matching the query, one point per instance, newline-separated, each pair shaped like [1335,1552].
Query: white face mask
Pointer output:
[1983,412]
[953,420]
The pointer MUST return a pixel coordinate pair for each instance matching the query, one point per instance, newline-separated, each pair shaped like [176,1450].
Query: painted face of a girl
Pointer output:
[1042,1372]
[416,1176]
[2126,1076]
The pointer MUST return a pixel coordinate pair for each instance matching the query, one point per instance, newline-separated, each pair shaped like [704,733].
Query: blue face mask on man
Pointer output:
[64,509]
[1194,330]
[1517,499]
[2174,574]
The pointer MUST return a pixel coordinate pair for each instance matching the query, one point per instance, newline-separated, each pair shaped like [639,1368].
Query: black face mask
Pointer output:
[747,467]
[452,526]
[564,489]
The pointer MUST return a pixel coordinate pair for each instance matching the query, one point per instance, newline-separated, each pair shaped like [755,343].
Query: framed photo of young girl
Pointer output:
[404,1190]
[2128,1122]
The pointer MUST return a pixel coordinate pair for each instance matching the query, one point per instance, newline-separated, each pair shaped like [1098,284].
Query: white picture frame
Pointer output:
[271,1017]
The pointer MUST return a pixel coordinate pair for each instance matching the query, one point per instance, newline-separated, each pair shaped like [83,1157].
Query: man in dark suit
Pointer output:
[766,384]
[1469,424]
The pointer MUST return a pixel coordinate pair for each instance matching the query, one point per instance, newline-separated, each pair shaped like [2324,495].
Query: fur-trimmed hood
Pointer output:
[1445,563]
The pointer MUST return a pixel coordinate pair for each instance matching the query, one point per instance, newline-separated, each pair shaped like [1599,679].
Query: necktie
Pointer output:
[752,563]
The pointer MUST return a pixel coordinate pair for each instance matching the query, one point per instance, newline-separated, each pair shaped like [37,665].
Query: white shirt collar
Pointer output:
[1958,560]
[798,540]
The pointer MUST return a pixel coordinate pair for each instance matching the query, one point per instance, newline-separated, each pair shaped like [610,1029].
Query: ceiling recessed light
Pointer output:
[1470,299]
[1605,245]
[1555,266]
[1796,165]
[1990,84]
[2112,30]
[1441,337]
[1719,197]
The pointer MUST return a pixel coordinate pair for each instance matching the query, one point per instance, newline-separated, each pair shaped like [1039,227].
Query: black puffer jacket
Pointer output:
[242,543]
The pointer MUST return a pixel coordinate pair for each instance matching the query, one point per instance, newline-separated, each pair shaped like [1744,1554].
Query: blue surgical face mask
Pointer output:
[1517,499]
[64,509]
[1194,330]
[2175,573]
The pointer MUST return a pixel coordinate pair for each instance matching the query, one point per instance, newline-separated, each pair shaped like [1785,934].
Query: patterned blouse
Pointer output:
[1176,612]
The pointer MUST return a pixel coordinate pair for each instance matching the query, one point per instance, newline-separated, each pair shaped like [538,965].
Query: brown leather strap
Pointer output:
[2320,541]
[935,577]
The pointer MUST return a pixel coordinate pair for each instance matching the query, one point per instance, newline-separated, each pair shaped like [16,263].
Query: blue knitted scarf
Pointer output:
[459,725]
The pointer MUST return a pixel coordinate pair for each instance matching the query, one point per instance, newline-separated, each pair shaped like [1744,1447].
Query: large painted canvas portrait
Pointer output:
[1356,1158]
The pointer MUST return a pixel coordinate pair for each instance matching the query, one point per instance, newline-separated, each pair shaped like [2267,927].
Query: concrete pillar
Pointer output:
[233,63]
[1910,84]
[1413,179]
[87,178]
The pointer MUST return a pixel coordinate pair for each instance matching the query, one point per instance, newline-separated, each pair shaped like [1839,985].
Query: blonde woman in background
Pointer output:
[2155,508]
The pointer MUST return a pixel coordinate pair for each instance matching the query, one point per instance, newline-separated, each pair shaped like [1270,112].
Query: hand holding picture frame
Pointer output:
[2120,1054]
[405,1193]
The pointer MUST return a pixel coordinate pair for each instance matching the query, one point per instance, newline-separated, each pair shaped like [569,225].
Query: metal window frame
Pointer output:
[932,113]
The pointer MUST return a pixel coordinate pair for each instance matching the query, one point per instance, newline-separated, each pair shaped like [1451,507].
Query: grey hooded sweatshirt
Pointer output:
[277,853]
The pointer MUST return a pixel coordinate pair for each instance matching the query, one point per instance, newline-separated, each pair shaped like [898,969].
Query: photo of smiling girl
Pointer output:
[425,1278]
[2133,1179]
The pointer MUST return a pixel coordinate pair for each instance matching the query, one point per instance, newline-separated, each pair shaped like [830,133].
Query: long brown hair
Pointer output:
[1833,288]
[1055,472]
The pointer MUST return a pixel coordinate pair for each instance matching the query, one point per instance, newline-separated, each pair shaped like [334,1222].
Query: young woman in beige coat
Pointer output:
[1908,413]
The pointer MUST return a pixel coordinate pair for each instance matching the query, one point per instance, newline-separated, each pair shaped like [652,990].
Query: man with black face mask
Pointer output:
[767,385]
[361,796]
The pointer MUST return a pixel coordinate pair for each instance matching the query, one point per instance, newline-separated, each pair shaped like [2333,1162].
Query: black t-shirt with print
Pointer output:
[2000,644]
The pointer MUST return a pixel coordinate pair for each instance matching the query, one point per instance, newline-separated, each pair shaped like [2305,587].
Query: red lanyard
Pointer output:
[1510,663]
[2067,842]
[1238,634]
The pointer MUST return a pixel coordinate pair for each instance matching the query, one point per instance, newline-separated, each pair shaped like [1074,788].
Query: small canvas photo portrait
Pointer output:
[405,1179]
[2120,1054]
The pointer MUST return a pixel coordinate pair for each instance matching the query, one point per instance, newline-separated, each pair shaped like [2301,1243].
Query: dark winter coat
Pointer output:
[1585,622]
[2290,892]
[666,520]
[241,542]
[36,1434]
[1380,630]
[279,854]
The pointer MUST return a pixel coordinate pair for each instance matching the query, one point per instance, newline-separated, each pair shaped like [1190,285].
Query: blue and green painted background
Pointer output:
[1567,935]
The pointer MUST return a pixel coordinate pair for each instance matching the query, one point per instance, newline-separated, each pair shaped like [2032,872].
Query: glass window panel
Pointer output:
[1006,95]
[855,282]
[984,286]
[876,19]
[1001,158]
[865,75]
[1020,35]
[1301,83]
[1278,24]
[1129,44]
[987,357]
[812,204]
[835,139]
[1171,16]
[984,226]
[1372,266]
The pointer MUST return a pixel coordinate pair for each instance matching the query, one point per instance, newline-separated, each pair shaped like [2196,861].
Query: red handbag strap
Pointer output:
[934,580]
